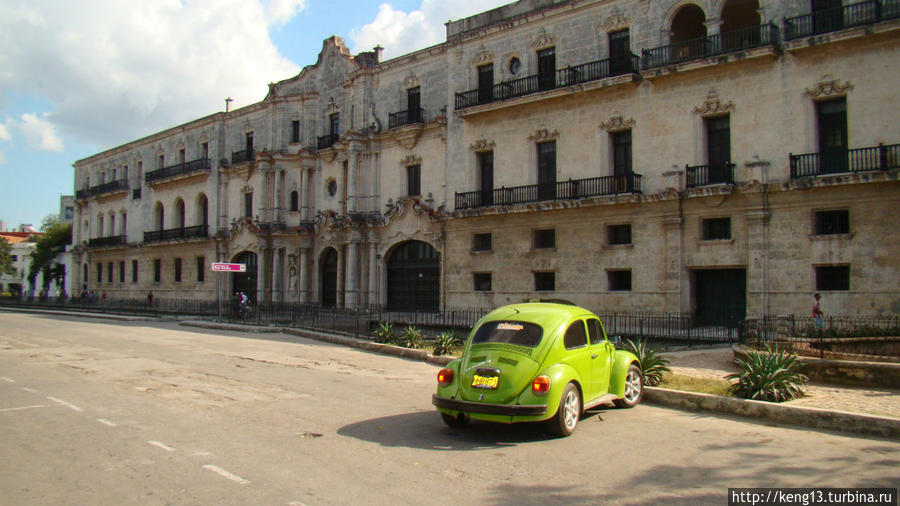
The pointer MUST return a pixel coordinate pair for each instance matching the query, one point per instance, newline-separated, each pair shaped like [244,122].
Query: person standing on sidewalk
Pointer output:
[817,314]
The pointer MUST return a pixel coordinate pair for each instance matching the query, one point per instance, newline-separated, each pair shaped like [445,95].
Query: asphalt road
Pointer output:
[95,412]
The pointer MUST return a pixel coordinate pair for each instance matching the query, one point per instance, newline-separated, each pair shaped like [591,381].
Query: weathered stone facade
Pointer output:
[546,161]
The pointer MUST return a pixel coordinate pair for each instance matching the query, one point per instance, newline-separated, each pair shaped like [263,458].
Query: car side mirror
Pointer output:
[616,340]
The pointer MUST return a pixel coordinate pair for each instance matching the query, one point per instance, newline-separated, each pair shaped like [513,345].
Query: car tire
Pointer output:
[634,388]
[566,418]
[455,421]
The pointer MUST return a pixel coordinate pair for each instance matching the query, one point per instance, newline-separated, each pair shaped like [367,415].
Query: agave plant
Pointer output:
[653,364]
[445,344]
[768,376]
[384,334]
[412,338]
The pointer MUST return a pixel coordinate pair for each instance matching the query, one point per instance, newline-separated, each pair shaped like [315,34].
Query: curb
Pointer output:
[839,421]
[102,316]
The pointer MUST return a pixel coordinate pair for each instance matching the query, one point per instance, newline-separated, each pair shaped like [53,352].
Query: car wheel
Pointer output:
[566,418]
[455,421]
[634,388]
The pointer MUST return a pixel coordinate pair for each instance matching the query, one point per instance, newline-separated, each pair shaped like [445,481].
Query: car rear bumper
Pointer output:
[489,409]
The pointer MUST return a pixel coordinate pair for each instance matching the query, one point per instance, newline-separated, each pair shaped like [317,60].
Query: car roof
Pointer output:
[545,314]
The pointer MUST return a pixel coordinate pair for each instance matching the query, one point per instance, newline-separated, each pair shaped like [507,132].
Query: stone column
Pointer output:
[350,295]
[277,273]
[277,198]
[757,260]
[302,276]
[305,175]
[341,269]
[352,173]
[675,299]
[373,274]
[261,269]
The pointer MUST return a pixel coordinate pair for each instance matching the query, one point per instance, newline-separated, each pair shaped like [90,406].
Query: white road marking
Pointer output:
[64,403]
[23,407]
[29,390]
[8,380]
[161,445]
[106,422]
[201,454]
[296,503]
[225,474]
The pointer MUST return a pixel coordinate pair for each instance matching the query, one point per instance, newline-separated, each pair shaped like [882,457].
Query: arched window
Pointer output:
[203,211]
[179,213]
[688,31]
[295,201]
[159,217]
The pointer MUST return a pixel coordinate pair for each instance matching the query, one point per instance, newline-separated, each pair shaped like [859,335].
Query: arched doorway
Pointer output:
[413,277]
[245,281]
[688,34]
[328,268]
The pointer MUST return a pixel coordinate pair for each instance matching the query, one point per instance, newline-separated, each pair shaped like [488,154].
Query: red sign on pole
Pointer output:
[224,267]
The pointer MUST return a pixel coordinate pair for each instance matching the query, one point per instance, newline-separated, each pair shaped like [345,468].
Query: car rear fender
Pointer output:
[622,361]
[452,389]
[560,376]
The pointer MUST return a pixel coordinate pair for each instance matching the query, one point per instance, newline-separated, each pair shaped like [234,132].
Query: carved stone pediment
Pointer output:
[542,40]
[617,123]
[411,81]
[713,105]
[828,88]
[328,154]
[482,56]
[415,204]
[411,160]
[482,145]
[543,134]
[407,135]
[614,21]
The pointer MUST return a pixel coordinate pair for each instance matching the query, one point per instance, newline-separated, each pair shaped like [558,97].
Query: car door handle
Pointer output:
[594,355]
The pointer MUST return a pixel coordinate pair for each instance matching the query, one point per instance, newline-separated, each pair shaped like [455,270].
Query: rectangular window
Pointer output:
[99,272]
[832,222]
[177,267]
[201,269]
[619,281]
[204,150]
[482,281]
[248,205]
[716,228]
[181,156]
[121,271]
[69,213]
[621,146]
[544,281]
[718,145]
[619,52]
[833,278]
[248,142]
[134,271]
[295,131]
[140,173]
[546,158]
[124,223]
[413,104]
[546,68]
[109,272]
[481,242]
[832,125]
[414,180]
[485,83]
[334,124]
[157,270]
[545,239]
[618,234]
[161,162]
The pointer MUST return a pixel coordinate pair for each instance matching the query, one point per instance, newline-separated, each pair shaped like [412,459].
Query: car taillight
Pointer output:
[445,377]
[540,385]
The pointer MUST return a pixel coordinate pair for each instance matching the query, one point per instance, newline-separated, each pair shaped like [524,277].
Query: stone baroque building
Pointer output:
[719,157]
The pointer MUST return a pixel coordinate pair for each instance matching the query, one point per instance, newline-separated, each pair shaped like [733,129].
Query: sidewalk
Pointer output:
[718,362]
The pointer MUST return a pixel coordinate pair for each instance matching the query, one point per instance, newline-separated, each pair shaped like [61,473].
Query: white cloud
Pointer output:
[114,71]
[4,133]
[402,32]
[39,133]
[2,158]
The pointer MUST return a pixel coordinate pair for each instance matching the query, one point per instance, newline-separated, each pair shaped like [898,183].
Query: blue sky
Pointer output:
[77,78]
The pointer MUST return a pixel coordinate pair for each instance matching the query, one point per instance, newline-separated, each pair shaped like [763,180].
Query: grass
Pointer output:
[687,383]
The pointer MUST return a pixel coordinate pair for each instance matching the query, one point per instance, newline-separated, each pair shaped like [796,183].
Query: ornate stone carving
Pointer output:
[828,88]
[411,81]
[411,160]
[617,123]
[482,145]
[482,56]
[713,105]
[542,40]
[331,107]
[543,134]
[614,21]
[418,207]
[407,135]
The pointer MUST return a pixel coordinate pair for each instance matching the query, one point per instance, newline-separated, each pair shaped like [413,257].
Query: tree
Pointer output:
[49,221]
[47,248]
[6,263]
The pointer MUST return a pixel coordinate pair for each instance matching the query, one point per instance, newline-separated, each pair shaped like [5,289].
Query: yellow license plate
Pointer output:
[485,381]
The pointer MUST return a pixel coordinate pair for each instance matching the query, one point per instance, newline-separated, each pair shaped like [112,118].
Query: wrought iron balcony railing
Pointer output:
[82,194]
[711,45]
[199,165]
[704,175]
[838,18]
[244,155]
[396,119]
[114,240]
[881,157]
[326,141]
[568,76]
[176,233]
[563,190]
[103,189]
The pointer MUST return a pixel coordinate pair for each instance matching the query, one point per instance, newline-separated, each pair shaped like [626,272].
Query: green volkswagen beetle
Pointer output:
[533,362]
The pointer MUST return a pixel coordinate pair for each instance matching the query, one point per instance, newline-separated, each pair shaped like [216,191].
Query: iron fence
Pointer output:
[870,337]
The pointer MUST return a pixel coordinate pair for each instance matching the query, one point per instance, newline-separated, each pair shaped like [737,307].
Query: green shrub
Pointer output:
[653,364]
[774,376]
[412,338]
[445,344]
[384,334]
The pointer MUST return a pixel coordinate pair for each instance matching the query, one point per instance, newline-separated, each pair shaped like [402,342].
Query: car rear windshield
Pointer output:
[511,332]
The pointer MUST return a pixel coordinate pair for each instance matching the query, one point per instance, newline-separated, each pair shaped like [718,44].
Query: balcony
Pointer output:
[562,78]
[245,155]
[200,231]
[838,18]
[397,119]
[103,189]
[326,141]
[711,45]
[181,169]
[563,190]
[881,157]
[705,175]
[105,242]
